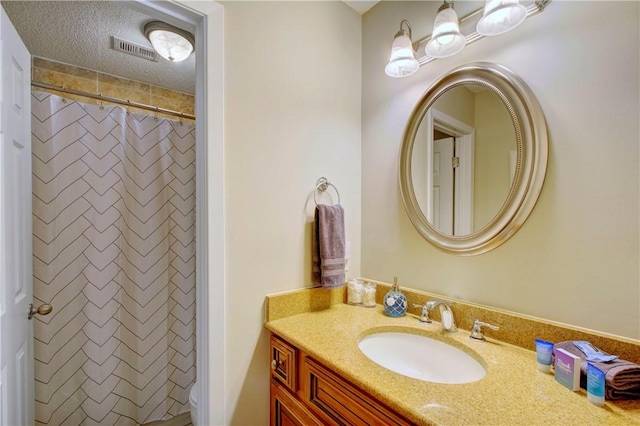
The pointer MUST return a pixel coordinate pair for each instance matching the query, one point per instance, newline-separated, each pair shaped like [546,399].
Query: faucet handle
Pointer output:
[476,330]
[424,314]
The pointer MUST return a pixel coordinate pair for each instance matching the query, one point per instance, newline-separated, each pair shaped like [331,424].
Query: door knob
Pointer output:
[40,310]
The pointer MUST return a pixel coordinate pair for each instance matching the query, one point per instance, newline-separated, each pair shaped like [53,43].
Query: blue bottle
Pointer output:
[595,385]
[395,303]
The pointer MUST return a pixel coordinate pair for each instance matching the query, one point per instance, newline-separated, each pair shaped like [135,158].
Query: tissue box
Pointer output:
[567,369]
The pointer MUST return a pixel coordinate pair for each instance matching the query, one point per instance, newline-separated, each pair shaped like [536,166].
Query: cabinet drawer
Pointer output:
[284,363]
[338,402]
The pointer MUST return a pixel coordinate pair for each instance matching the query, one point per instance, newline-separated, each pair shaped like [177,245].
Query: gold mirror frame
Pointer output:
[531,164]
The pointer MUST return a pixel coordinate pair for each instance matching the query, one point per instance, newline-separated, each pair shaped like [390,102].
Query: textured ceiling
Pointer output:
[79,33]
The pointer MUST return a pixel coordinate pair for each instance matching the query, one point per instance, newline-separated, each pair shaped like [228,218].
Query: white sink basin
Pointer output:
[421,357]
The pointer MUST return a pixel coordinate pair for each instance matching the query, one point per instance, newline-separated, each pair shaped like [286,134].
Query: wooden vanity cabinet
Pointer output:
[305,392]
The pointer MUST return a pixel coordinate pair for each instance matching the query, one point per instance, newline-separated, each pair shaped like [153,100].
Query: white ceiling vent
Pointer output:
[133,49]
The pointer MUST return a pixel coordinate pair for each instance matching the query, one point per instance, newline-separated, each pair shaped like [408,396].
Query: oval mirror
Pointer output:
[473,158]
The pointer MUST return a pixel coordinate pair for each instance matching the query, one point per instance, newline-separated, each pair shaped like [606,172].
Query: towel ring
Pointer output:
[321,185]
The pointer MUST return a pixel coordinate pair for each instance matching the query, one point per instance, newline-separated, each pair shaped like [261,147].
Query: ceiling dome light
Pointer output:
[501,16]
[173,44]
[402,62]
[446,39]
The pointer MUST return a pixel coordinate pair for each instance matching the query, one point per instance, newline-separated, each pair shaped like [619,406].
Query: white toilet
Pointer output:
[193,403]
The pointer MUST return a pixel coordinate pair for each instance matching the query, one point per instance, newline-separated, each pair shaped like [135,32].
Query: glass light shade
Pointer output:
[501,16]
[446,39]
[402,62]
[170,45]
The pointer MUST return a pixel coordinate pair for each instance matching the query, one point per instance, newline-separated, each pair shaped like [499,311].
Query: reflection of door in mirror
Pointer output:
[452,174]
[443,183]
[480,124]
[450,211]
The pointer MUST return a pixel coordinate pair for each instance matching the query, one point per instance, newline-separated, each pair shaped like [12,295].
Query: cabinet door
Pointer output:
[288,411]
[337,402]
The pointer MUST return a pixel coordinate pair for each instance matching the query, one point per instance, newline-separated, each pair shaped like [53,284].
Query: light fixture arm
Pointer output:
[446,4]
[405,29]
[541,4]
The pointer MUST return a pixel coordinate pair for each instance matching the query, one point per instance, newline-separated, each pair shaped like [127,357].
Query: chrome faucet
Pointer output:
[447,321]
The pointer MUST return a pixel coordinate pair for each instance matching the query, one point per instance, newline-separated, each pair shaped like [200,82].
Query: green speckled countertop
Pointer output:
[513,392]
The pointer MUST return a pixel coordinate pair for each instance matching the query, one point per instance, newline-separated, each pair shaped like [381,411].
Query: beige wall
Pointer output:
[459,104]
[495,138]
[576,259]
[292,114]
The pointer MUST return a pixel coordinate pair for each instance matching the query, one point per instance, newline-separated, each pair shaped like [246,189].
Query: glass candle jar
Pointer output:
[354,292]
[369,295]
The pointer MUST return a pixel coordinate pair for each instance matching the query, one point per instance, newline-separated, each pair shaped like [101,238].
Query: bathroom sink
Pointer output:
[421,357]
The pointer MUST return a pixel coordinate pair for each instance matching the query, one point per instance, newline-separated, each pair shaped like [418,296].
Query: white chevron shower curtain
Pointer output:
[114,253]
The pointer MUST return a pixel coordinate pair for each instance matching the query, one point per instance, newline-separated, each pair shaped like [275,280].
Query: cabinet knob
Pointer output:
[275,364]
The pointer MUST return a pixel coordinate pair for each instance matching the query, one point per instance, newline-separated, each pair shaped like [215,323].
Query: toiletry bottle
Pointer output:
[544,350]
[395,303]
[595,384]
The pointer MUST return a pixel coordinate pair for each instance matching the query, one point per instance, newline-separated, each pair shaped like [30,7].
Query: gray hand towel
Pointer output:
[328,246]
[622,378]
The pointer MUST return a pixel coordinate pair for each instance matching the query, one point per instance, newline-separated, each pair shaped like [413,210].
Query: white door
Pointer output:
[443,185]
[16,340]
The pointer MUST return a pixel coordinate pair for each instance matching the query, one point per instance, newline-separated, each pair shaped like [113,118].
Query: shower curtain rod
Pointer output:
[112,100]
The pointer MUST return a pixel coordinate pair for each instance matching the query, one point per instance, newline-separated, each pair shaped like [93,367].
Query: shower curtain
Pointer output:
[114,253]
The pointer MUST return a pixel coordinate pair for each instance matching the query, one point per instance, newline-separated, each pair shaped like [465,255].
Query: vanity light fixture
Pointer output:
[501,16]
[172,43]
[402,62]
[447,40]
[496,17]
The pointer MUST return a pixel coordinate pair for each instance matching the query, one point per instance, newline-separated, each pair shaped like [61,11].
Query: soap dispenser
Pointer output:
[395,303]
